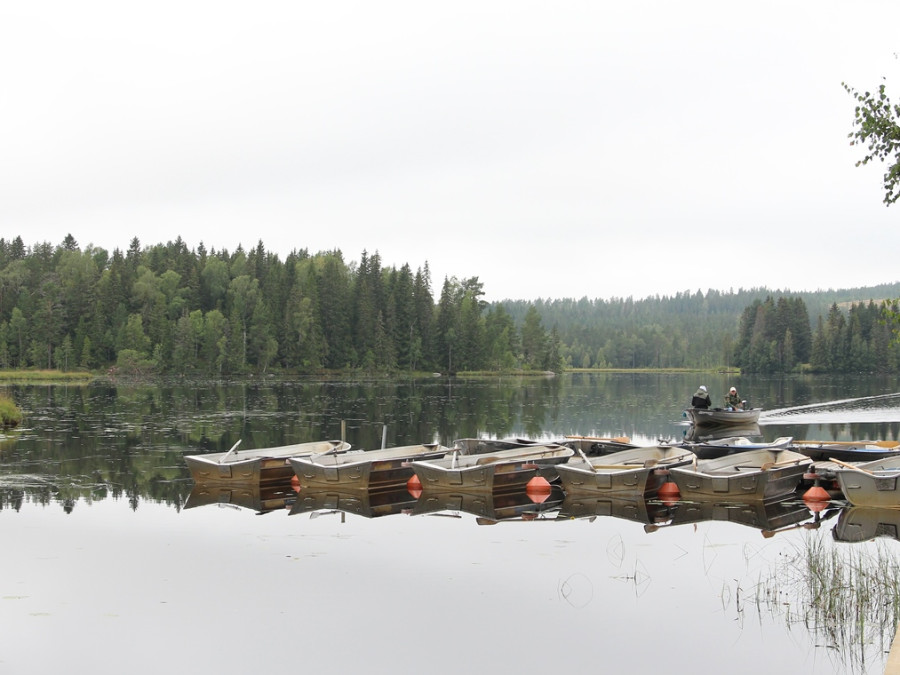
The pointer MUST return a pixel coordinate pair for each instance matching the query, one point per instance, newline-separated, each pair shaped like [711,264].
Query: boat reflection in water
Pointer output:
[639,510]
[701,434]
[365,503]
[768,517]
[490,507]
[261,497]
[862,523]
[854,524]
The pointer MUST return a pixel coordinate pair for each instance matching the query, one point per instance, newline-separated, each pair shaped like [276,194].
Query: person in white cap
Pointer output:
[732,400]
[700,398]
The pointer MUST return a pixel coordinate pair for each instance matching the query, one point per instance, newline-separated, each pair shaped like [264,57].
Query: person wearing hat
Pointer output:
[732,400]
[700,398]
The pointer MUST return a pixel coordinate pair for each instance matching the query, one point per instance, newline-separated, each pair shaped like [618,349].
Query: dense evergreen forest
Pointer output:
[165,309]
[756,330]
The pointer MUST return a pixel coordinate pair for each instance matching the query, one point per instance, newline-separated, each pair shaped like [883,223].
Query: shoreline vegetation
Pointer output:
[41,376]
[45,376]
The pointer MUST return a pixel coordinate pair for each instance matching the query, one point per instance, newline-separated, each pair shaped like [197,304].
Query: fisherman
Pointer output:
[701,398]
[733,401]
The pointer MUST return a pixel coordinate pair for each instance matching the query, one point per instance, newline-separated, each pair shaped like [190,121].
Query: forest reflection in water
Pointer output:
[712,580]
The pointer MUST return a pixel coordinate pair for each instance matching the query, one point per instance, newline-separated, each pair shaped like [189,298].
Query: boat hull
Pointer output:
[734,444]
[742,476]
[598,446]
[260,465]
[719,417]
[371,470]
[483,446]
[845,452]
[873,484]
[635,472]
[503,470]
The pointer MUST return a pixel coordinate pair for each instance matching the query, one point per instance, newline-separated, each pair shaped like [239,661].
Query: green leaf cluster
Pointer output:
[877,127]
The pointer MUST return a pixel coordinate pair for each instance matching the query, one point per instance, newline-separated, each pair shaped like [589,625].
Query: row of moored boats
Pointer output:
[728,469]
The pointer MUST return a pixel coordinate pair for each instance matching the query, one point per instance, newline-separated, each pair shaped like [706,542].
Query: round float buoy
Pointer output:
[414,486]
[668,493]
[538,489]
[295,483]
[816,494]
[816,507]
[669,490]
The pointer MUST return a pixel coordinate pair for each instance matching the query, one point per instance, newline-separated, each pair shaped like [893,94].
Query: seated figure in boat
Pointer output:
[700,399]
[733,401]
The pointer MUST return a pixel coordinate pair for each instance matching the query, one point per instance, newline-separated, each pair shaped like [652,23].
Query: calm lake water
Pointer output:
[112,564]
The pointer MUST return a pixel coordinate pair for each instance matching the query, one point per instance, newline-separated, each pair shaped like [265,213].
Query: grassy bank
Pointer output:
[653,370]
[37,376]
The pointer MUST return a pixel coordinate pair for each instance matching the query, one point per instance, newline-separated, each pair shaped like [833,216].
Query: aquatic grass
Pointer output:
[10,415]
[849,596]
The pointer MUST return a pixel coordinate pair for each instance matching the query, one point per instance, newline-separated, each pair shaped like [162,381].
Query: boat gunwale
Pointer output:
[463,462]
[728,465]
[277,452]
[364,457]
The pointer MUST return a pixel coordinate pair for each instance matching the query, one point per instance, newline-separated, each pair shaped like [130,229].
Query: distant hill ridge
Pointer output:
[689,329]
[565,311]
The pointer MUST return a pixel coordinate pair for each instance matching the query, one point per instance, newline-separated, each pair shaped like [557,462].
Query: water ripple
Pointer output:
[870,409]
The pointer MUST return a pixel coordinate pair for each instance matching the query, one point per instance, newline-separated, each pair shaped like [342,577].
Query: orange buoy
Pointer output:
[414,486]
[669,494]
[295,483]
[816,507]
[538,489]
[816,494]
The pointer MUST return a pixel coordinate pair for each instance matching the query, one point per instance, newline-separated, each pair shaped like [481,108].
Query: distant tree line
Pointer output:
[860,340]
[749,329]
[165,309]
[775,337]
[169,310]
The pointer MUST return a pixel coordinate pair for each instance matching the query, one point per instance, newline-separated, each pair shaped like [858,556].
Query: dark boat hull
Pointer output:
[719,417]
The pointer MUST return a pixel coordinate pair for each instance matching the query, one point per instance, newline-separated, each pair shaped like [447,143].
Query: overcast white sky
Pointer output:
[553,149]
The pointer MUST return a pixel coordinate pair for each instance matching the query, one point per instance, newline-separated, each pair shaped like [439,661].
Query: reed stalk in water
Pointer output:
[847,595]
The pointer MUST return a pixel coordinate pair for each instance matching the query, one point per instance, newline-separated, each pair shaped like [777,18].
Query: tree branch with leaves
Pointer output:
[877,126]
